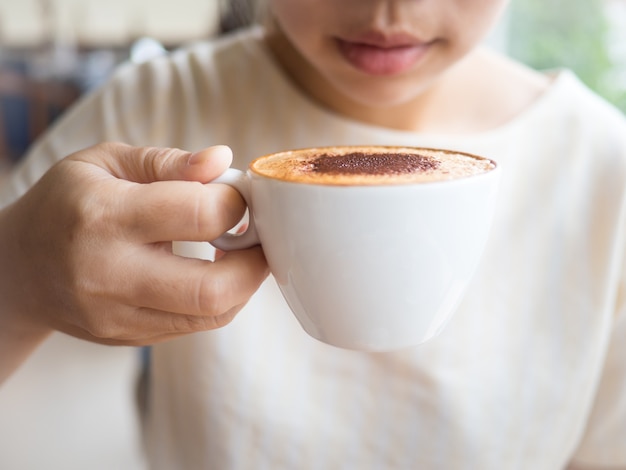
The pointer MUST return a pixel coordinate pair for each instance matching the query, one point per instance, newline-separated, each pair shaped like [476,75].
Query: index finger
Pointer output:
[177,210]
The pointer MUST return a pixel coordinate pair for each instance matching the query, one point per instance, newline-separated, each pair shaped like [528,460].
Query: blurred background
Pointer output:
[53,51]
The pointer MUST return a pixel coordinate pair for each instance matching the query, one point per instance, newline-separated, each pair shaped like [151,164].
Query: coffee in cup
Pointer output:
[369,165]
[372,247]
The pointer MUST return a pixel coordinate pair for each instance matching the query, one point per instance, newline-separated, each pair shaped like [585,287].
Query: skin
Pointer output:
[441,92]
[86,251]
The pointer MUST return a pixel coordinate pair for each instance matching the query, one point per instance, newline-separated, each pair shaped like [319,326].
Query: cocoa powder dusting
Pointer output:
[361,163]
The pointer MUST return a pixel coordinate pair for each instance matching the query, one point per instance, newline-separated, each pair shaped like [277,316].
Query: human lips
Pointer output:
[379,54]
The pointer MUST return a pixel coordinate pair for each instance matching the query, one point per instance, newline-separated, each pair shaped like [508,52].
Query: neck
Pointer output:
[453,103]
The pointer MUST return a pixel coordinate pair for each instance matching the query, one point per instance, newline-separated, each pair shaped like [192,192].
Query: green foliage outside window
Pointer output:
[575,34]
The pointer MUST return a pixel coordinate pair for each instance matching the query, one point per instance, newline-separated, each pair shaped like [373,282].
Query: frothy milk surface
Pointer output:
[359,165]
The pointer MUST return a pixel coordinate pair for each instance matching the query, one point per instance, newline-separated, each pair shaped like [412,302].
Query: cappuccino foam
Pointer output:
[360,165]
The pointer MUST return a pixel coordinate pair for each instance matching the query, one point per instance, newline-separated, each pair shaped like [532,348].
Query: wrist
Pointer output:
[20,333]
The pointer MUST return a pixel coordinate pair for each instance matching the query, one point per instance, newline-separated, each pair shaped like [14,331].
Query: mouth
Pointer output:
[382,55]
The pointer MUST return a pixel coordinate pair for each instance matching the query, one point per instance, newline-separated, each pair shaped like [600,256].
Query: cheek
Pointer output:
[294,15]
[296,18]
[481,16]
[469,22]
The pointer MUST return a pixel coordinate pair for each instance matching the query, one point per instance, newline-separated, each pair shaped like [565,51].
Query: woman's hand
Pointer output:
[87,251]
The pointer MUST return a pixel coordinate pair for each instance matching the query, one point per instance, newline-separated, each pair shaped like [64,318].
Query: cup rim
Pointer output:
[256,172]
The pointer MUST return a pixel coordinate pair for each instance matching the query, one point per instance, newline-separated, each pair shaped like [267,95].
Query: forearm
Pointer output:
[16,344]
[19,334]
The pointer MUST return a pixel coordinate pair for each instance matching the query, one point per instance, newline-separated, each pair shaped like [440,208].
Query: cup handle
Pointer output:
[229,241]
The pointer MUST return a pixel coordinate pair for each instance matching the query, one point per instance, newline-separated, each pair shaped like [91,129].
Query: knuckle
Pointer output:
[157,161]
[190,323]
[89,214]
[209,295]
[227,317]
[196,323]
[205,214]
[98,328]
[98,316]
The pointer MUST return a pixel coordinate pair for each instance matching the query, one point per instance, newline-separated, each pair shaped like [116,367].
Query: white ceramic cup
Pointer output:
[372,268]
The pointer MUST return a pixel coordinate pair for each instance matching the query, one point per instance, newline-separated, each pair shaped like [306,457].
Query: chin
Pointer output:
[381,96]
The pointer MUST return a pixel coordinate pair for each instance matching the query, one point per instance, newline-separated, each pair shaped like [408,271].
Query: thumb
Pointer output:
[150,164]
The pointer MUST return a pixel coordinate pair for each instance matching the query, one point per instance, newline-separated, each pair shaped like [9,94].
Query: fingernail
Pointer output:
[195,158]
